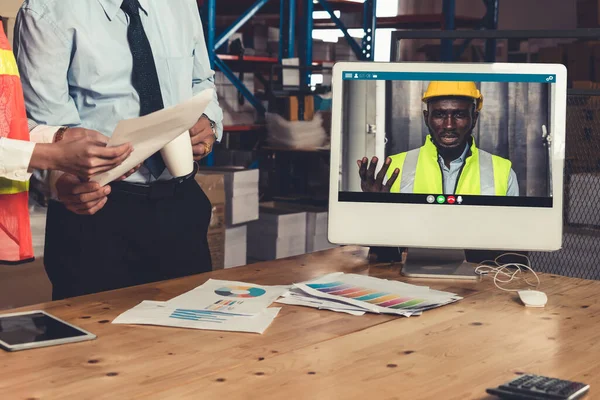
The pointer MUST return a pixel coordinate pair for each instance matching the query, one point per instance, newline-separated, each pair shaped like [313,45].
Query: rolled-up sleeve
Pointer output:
[204,76]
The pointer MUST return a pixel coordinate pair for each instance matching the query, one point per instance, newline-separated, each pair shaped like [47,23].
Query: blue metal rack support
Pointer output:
[491,23]
[239,23]
[449,11]
[360,53]
[239,85]
[306,53]
[369,27]
[214,43]
[287,29]
[211,16]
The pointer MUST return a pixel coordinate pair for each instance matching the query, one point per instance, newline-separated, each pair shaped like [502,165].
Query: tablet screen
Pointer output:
[33,328]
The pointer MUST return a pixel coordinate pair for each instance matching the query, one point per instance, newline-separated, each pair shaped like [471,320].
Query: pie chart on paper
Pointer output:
[240,291]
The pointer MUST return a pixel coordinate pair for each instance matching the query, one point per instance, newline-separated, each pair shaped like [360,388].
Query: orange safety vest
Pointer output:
[15,229]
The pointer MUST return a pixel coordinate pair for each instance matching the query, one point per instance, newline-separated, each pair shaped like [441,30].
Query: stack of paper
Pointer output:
[215,305]
[349,292]
[278,233]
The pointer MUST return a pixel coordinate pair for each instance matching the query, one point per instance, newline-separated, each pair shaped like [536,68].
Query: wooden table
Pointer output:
[453,352]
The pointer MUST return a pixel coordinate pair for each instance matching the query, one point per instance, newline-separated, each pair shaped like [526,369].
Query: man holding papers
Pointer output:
[91,64]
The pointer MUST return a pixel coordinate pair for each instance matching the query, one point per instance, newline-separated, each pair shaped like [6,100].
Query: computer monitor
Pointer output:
[477,154]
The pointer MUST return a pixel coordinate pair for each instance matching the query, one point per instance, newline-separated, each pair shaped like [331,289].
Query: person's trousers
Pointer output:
[137,238]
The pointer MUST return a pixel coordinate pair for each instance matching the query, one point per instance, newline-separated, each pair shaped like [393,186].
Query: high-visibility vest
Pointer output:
[15,229]
[420,172]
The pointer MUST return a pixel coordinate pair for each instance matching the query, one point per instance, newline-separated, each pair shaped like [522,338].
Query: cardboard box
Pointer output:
[588,14]
[236,246]
[580,61]
[241,191]
[214,187]
[553,55]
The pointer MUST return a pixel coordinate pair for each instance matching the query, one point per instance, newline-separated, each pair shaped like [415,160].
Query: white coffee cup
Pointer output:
[179,156]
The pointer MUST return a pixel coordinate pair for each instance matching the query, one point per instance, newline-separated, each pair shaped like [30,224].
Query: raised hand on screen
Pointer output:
[369,182]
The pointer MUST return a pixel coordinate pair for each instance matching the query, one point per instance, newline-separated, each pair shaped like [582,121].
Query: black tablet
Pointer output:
[32,329]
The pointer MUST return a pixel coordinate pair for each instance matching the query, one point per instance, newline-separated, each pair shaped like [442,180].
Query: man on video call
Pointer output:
[451,115]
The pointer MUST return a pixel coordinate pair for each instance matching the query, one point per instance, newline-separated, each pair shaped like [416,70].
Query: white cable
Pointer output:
[499,270]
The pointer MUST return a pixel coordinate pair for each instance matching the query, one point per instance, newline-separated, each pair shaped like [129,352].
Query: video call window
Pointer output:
[447,138]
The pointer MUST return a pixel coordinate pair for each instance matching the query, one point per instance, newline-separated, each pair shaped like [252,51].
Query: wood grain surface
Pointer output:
[453,352]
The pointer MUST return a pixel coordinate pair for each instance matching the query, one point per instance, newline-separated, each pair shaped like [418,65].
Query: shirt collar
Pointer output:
[463,156]
[112,7]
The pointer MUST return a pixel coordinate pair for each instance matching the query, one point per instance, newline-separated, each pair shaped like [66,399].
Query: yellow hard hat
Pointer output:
[454,88]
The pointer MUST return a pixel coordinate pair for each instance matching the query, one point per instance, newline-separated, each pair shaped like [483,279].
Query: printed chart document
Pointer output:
[377,295]
[150,133]
[229,297]
[215,305]
[162,314]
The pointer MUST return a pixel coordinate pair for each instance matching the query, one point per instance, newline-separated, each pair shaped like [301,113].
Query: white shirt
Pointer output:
[15,155]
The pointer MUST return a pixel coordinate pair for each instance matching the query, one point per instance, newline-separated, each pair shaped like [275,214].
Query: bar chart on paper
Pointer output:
[162,314]
[203,315]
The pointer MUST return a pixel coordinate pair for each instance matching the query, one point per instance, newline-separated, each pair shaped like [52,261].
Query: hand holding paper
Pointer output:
[166,131]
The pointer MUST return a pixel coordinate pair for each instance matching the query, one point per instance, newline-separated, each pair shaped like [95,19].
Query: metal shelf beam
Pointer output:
[222,39]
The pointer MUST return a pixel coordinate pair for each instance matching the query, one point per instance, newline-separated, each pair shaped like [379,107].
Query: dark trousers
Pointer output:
[133,240]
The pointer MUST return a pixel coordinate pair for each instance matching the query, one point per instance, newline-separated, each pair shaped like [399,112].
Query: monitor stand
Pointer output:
[438,263]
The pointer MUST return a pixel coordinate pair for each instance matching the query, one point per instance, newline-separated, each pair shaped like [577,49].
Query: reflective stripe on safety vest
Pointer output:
[13,187]
[420,172]
[8,65]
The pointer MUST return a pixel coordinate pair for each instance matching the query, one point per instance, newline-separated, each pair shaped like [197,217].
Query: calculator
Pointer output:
[536,387]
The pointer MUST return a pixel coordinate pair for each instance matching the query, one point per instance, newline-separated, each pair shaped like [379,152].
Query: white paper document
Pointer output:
[229,297]
[377,295]
[296,297]
[162,314]
[150,133]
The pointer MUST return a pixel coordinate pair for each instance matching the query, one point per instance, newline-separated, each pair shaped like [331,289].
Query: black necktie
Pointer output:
[144,76]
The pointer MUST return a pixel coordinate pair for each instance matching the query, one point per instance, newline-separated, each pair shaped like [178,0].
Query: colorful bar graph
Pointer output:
[381,299]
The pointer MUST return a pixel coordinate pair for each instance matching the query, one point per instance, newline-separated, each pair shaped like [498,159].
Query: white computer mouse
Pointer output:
[533,298]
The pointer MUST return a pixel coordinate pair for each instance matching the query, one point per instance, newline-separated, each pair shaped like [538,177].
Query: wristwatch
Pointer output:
[213,125]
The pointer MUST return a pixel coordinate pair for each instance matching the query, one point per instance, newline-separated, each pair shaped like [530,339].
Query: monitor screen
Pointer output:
[448,142]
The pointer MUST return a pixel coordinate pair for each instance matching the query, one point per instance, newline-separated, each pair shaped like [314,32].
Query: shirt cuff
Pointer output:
[15,156]
[214,113]
[43,133]
[54,175]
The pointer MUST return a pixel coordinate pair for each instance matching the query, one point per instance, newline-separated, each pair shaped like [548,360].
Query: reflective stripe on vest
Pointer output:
[8,66]
[13,187]
[482,174]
